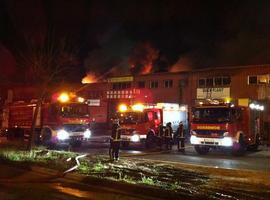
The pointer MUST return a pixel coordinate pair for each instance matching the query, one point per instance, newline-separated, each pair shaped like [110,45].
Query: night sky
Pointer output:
[139,36]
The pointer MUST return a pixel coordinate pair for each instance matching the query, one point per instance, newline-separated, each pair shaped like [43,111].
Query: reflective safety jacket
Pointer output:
[168,132]
[116,133]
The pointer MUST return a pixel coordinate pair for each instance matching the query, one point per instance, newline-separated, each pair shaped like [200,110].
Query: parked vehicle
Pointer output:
[140,122]
[227,126]
[65,121]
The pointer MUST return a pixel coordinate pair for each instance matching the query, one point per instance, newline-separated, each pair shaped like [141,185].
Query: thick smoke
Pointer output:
[111,55]
[184,63]
[142,58]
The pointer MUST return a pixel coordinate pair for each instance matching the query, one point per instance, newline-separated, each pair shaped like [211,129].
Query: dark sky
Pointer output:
[167,34]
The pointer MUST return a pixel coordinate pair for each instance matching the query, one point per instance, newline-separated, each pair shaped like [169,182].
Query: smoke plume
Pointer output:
[142,58]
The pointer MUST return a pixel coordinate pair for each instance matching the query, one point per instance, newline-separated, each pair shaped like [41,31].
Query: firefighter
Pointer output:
[168,136]
[115,141]
[160,135]
[180,137]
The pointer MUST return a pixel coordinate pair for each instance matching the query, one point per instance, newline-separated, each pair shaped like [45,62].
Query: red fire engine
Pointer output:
[64,121]
[139,122]
[226,125]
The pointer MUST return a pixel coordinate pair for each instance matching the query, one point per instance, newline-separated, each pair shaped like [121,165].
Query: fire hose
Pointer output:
[77,163]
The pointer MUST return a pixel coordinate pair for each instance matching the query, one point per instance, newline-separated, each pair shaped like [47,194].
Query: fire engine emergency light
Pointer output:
[80,99]
[138,107]
[123,108]
[64,97]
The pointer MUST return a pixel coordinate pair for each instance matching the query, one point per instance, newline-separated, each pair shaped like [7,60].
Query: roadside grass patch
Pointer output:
[148,180]
[133,171]
[130,171]
[44,158]
[98,167]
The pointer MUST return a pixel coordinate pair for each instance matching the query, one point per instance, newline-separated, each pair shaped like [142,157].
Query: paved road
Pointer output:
[252,160]
[258,160]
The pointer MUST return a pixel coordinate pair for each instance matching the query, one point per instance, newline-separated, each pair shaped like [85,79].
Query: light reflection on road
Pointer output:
[72,191]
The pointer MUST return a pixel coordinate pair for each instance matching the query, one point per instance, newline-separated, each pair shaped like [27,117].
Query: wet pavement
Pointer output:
[18,184]
[258,160]
[23,184]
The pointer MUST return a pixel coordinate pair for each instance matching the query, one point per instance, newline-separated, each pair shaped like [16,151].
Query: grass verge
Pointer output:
[195,183]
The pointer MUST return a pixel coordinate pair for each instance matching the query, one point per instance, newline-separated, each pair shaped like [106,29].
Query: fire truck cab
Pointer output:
[227,126]
[139,122]
[65,121]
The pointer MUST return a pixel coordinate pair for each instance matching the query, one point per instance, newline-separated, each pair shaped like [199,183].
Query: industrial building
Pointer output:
[186,88]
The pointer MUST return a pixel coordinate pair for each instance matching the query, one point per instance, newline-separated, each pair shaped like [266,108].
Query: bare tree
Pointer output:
[43,66]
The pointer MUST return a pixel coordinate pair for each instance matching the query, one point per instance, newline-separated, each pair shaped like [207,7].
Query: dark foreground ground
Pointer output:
[160,175]
[18,184]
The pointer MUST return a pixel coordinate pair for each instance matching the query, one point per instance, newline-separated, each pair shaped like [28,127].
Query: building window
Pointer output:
[121,85]
[218,81]
[141,84]
[226,80]
[201,82]
[168,83]
[95,94]
[263,79]
[259,79]
[154,84]
[252,80]
[209,82]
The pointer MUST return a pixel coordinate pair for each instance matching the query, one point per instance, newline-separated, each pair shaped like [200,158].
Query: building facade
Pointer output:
[187,88]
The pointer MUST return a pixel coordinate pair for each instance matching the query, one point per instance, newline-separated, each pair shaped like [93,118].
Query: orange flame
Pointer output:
[89,78]
[142,58]
[147,69]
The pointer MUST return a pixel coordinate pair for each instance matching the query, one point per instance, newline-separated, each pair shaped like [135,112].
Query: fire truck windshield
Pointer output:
[129,117]
[74,110]
[211,115]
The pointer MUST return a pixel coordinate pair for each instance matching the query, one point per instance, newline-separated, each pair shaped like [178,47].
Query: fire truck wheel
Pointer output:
[202,150]
[239,148]
[257,143]
[254,147]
